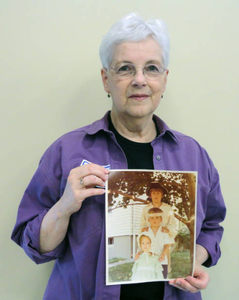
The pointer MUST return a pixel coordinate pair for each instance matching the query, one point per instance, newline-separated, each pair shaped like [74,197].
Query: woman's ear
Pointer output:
[104,76]
[165,81]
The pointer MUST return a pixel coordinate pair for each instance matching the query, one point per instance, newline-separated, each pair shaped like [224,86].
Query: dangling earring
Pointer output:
[161,96]
[108,95]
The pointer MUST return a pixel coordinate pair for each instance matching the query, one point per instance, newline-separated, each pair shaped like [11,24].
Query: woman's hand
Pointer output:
[81,184]
[194,284]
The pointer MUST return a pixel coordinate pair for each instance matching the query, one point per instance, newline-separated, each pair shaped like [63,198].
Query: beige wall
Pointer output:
[50,84]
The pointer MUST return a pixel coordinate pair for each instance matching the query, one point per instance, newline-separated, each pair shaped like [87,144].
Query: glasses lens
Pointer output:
[124,70]
[153,70]
[128,70]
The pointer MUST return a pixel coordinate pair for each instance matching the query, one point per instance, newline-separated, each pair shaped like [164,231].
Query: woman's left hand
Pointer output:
[194,284]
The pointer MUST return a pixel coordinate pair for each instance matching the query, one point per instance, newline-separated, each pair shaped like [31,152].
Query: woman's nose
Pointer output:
[139,78]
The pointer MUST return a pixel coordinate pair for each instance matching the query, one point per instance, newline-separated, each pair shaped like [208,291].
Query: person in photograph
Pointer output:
[61,216]
[160,238]
[155,193]
[147,267]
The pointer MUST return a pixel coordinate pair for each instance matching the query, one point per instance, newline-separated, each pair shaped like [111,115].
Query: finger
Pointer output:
[201,283]
[86,193]
[81,181]
[184,285]
[90,169]
[178,286]
[91,181]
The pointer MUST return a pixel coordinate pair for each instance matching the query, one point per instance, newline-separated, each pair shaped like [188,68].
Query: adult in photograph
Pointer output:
[155,192]
[62,212]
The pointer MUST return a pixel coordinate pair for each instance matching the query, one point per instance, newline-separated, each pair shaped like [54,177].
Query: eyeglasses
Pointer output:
[128,70]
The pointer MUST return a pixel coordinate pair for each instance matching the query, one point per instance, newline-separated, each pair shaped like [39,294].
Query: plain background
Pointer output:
[50,84]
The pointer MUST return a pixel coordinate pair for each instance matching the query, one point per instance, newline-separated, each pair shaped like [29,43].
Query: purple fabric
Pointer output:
[79,270]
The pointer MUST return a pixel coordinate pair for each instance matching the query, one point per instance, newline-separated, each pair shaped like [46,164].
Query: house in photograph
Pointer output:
[123,226]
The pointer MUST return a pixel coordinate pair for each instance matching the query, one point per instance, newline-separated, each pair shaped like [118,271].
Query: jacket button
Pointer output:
[158,157]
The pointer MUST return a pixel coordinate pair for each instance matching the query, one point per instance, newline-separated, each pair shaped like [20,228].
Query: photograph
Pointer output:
[150,225]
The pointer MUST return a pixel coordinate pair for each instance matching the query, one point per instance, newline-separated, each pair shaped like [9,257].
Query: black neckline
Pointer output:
[126,141]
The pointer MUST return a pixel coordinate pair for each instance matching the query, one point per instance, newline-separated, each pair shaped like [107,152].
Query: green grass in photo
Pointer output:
[180,267]
[121,272]
[180,264]
[115,259]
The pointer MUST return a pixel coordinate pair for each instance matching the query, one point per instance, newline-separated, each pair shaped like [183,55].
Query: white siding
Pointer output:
[119,222]
[136,217]
[121,248]
[123,221]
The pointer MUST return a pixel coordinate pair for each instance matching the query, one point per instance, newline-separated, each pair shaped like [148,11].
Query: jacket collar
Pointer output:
[103,124]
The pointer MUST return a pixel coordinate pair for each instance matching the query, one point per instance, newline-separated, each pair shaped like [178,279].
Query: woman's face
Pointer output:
[156,196]
[135,97]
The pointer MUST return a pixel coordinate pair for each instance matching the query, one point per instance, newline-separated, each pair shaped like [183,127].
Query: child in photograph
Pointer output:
[147,267]
[160,239]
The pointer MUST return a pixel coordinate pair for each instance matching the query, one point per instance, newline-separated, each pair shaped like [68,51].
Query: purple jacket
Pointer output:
[79,270]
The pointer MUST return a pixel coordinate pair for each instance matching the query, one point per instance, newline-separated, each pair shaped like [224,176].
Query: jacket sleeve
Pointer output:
[211,231]
[41,194]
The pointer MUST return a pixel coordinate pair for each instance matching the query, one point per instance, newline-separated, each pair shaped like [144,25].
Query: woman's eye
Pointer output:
[151,68]
[125,68]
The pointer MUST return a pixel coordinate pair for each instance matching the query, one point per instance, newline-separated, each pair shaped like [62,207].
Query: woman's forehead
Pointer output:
[158,190]
[141,52]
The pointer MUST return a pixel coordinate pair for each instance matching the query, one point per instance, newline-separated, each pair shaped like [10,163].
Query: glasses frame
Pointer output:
[132,74]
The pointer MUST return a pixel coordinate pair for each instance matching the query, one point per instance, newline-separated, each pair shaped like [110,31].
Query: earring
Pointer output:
[161,96]
[108,95]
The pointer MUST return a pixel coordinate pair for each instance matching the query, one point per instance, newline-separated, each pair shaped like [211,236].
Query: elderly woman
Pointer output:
[61,215]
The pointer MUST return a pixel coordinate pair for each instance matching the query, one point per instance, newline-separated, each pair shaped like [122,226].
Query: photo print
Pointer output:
[150,225]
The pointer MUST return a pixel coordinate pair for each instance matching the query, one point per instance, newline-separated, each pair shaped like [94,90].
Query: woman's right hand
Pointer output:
[81,184]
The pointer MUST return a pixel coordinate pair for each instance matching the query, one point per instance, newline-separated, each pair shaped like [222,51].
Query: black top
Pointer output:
[139,156]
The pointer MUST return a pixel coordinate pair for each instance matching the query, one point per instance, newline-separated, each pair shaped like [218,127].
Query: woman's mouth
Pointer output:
[139,96]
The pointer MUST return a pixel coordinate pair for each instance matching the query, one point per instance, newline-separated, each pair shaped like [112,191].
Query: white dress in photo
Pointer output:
[147,268]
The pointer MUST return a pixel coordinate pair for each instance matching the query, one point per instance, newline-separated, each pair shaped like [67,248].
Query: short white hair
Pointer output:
[133,28]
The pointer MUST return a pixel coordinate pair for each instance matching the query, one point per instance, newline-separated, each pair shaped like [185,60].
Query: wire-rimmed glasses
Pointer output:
[128,70]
